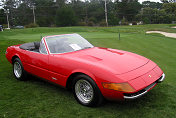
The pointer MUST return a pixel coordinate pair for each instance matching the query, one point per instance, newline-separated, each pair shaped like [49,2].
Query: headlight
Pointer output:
[124,87]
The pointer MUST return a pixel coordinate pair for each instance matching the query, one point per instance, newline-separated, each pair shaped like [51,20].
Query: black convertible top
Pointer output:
[34,46]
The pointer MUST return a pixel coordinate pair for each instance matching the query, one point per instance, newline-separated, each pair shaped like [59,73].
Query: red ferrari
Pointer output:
[93,73]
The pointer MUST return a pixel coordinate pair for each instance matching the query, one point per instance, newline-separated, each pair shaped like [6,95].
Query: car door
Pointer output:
[58,69]
[36,63]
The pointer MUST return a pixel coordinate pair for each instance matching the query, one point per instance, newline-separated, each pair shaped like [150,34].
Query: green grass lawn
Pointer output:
[38,99]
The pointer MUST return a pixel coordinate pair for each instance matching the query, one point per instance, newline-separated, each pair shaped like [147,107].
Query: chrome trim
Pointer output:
[136,96]
[150,86]
[54,78]
[42,41]
[17,69]
[146,89]
[84,91]
[162,79]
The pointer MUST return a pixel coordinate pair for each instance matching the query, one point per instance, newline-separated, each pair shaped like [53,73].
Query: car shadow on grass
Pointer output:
[152,98]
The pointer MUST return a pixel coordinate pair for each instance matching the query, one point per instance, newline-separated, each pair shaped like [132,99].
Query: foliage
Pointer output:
[113,20]
[103,23]
[167,1]
[93,19]
[165,15]
[82,24]
[2,17]
[124,22]
[146,20]
[170,8]
[153,5]
[31,25]
[90,23]
[127,9]
[65,17]
[134,23]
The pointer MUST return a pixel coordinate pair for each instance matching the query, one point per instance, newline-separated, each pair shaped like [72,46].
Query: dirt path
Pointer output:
[172,35]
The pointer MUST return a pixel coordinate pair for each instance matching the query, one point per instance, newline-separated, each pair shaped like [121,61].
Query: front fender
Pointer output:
[84,72]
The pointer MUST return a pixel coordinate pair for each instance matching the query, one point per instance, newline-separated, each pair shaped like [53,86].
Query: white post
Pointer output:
[8,21]
[34,14]
[7,14]
[106,16]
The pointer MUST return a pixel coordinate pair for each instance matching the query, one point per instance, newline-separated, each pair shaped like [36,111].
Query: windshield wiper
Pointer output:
[85,48]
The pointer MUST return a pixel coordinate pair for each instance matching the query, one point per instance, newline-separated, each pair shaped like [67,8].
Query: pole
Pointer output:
[106,16]
[34,14]
[7,14]
[8,21]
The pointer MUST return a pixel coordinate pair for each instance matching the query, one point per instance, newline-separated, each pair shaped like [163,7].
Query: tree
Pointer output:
[80,9]
[154,16]
[45,12]
[127,9]
[170,8]
[65,17]
[60,3]
[152,4]
[2,17]
[167,1]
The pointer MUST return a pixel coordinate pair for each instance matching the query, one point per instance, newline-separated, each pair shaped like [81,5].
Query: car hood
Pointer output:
[116,61]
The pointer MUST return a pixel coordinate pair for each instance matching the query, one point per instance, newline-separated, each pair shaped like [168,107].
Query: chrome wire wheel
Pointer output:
[84,91]
[17,69]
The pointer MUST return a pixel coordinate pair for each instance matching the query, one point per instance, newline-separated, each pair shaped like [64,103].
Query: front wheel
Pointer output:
[86,92]
[18,70]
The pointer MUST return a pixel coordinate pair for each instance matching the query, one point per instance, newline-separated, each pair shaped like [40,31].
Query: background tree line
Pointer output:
[88,12]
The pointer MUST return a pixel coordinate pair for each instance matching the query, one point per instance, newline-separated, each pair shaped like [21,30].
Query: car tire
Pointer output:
[18,70]
[86,92]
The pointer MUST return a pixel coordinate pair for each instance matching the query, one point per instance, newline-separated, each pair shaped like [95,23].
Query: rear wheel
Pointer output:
[86,92]
[18,70]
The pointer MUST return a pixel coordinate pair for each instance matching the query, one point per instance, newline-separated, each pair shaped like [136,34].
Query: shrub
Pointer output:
[134,23]
[103,23]
[52,25]
[93,19]
[45,21]
[146,20]
[82,24]
[4,25]
[90,23]
[31,25]
[124,22]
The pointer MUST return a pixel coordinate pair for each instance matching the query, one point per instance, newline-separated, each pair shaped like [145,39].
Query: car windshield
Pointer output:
[67,43]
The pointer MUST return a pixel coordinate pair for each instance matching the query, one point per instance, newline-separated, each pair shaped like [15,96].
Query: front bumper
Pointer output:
[143,91]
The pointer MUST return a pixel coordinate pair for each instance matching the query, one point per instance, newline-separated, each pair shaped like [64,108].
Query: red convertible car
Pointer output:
[93,73]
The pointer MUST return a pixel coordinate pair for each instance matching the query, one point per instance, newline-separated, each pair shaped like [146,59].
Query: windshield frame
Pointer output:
[47,47]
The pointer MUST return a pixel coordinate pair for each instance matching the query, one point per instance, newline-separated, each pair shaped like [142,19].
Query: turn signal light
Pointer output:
[123,87]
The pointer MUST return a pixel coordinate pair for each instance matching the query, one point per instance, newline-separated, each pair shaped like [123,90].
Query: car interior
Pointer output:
[34,46]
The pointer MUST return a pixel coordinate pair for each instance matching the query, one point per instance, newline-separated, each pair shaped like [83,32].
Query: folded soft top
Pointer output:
[30,46]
